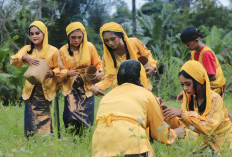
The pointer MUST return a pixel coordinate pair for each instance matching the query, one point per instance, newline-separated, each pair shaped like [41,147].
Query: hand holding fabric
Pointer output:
[150,70]
[169,113]
[100,75]
[30,61]
[161,103]
[181,133]
[97,91]
[72,73]
[50,74]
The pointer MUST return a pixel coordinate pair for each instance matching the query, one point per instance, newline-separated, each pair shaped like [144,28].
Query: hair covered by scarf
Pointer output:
[198,72]
[109,63]
[84,49]
[41,26]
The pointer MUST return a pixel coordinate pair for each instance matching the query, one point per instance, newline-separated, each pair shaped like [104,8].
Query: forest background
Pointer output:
[158,25]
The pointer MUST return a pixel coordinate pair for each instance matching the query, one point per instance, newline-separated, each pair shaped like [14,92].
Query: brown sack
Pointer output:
[36,74]
[91,73]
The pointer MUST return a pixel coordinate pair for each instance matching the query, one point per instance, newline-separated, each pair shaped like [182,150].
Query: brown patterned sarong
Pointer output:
[37,116]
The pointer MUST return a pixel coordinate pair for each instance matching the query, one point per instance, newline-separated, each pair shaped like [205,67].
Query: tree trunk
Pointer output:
[134,17]
[40,10]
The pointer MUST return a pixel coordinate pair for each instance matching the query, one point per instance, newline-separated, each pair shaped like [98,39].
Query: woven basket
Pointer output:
[91,73]
[36,74]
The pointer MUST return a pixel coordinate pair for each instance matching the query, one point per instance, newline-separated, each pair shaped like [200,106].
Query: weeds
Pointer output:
[13,142]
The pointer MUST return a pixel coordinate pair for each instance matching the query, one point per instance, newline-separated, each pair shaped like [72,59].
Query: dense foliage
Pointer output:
[159,23]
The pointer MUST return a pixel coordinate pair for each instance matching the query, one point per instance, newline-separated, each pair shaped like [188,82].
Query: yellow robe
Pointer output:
[123,116]
[67,62]
[110,80]
[214,122]
[50,85]
[216,128]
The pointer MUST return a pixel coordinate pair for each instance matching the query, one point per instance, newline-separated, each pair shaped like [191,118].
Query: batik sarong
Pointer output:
[78,109]
[37,116]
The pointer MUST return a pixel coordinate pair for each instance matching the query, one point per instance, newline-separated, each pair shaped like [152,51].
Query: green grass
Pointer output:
[13,143]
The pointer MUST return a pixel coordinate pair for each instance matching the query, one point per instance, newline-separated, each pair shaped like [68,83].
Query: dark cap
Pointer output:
[190,34]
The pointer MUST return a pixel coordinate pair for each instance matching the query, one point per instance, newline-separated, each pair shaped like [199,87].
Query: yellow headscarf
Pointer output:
[84,49]
[198,72]
[43,28]
[114,27]
[108,60]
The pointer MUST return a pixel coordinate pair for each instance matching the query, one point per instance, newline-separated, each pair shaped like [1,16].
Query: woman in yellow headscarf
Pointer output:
[202,108]
[38,97]
[75,58]
[118,48]
[126,115]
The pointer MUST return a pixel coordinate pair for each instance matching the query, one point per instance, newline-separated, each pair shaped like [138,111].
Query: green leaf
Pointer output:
[157,30]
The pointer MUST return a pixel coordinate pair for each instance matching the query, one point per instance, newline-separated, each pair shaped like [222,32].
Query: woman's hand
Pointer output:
[150,70]
[50,74]
[30,61]
[169,113]
[72,73]
[97,91]
[100,75]
[179,97]
[161,103]
[180,132]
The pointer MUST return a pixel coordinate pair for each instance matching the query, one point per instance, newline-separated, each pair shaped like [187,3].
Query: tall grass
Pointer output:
[166,83]
[13,143]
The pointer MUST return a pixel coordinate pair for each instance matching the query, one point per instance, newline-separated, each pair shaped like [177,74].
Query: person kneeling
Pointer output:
[202,108]
[125,116]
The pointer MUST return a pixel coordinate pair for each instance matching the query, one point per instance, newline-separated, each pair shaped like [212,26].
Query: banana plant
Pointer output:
[157,33]
[220,42]
[11,80]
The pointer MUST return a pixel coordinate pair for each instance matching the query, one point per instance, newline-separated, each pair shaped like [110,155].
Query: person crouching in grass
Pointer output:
[126,114]
[202,108]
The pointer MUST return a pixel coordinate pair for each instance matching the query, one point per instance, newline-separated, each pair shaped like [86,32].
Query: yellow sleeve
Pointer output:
[145,52]
[16,59]
[62,69]
[107,80]
[54,64]
[95,58]
[160,131]
[174,122]
[207,124]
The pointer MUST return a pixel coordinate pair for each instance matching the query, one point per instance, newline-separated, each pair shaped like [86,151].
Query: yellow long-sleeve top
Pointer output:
[216,125]
[110,80]
[67,62]
[123,116]
[50,85]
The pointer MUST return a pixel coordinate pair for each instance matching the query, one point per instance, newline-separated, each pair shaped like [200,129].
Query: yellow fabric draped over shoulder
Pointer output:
[143,77]
[108,60]
[84,49]
[43,28]
[48,53]
[198,72]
